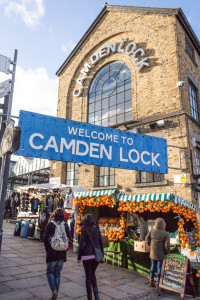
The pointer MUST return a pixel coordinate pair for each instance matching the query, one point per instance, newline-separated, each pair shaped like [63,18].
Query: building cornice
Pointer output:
[146,10]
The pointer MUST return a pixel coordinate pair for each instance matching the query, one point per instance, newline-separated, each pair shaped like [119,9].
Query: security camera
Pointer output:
[180,83]
[79,164]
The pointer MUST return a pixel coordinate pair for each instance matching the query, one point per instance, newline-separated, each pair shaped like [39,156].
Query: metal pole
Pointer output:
[6,158]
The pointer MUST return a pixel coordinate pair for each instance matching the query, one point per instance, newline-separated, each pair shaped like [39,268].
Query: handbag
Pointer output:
[98,253]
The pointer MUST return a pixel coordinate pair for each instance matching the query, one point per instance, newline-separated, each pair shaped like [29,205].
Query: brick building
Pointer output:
[136,69]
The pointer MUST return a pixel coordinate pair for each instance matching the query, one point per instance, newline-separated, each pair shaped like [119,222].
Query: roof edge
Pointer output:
[153,10]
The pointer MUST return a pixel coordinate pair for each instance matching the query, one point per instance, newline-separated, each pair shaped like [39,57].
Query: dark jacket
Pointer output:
[158,240]
[85,246]
[51,254]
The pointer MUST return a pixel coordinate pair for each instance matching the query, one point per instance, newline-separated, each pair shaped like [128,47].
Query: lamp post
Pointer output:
[5,162]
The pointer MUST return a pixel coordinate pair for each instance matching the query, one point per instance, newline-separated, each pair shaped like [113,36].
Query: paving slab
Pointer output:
[73,290]
[113,293]
[43,292]
[26,283]
[11,271]
[16,295]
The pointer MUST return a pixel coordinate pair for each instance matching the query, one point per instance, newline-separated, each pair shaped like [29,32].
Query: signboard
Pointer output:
[5,88]
[66,140]
[174,274]
[54,180]
[180,178]
[4,64]
[7,140]
[11,139]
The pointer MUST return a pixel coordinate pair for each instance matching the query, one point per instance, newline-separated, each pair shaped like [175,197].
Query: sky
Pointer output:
[45,31]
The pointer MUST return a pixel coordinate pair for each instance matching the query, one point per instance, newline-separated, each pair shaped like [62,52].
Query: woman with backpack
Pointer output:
[56,244]
[90,237]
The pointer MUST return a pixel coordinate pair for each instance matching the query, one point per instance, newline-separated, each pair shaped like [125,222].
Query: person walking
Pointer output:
[159,242]
[90,236]
[54,259]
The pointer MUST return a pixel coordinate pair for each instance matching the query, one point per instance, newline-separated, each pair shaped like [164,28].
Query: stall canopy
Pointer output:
[96,193]
[142,197]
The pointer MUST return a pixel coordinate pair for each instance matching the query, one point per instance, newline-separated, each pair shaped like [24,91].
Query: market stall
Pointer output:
[133,216]
[37,202]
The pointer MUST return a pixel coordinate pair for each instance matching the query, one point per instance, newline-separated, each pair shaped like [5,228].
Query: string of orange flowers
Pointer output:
[110,201]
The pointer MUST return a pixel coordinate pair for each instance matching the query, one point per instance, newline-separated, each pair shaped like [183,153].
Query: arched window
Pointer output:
[110,95]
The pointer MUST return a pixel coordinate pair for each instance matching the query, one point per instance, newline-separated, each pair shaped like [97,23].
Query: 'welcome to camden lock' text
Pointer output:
[88,146]
[129,49]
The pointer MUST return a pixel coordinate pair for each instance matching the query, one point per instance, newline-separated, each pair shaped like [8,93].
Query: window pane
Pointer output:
[112,80]
[120,98]
[112,111]
[128,105]
[91,108]
[91,118]
[98,105]
[120,108]
[120,87]
[128,84]
[157,177]
[128,95]
[120,118]
[92,98]
[112,180]
[112,121]
[113,100]
[105,113]
[105,103]
[105,122]
[129,116]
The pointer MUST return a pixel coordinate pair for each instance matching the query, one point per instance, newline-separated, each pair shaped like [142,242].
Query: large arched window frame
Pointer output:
[110,95]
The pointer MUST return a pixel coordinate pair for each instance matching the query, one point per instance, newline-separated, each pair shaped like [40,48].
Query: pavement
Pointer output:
[22,275]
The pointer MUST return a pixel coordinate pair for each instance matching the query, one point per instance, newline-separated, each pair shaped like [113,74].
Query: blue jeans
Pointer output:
[153,269]
[53,274]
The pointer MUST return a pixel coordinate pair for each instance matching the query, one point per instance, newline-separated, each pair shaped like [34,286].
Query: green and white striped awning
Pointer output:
[142,197]
[96,193]
[155,197]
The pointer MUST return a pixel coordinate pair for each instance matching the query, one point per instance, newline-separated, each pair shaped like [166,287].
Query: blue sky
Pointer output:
[45,31]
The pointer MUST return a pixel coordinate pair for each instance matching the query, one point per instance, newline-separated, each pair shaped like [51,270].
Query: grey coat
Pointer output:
[158,240]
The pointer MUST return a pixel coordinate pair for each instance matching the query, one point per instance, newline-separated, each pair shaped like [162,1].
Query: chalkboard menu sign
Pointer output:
[174,273]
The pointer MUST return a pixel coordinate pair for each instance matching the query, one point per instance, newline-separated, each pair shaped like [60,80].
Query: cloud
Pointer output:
[30,11]
[35,91]
[67,48]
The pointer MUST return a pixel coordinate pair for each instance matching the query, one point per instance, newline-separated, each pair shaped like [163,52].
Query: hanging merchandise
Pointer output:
[50,203]
[23,202]
[27,202]
[34,205]
[60,202]
[41,203]
[68,200]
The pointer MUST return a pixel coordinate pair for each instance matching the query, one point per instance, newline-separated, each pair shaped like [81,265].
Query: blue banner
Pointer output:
[66,140]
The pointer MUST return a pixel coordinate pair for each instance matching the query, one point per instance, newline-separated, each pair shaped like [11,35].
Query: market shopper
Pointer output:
[90,231]
[54,259]
[159,242]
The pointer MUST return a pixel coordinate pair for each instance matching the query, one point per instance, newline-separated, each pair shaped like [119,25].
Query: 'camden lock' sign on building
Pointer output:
[129,49]
[65,140]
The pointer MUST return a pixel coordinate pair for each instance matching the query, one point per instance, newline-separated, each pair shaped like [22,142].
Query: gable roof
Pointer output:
[148,10]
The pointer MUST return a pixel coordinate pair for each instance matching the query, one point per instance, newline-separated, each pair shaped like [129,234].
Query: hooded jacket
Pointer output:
[158,240]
